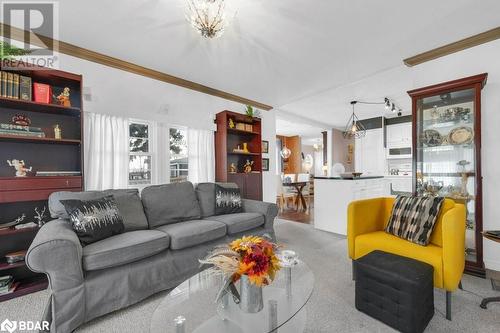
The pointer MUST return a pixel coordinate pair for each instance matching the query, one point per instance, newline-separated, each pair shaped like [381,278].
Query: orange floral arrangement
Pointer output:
[250,255]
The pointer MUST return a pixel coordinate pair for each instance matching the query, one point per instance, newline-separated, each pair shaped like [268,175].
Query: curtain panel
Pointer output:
[201,156]
[106,151]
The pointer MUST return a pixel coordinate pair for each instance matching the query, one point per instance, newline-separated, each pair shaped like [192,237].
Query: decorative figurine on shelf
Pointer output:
[20,166]
[231,123]
[232,168]
[39,216]
[63,98]
[245,147]
[247,168]
[465,176]
[21,120]
[57,132]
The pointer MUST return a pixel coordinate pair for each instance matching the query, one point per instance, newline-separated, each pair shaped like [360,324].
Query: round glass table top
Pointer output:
[191,306]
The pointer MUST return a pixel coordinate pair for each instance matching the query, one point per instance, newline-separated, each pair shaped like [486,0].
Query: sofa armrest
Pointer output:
[57,252]
[269,210]
[365,216]
[453,233]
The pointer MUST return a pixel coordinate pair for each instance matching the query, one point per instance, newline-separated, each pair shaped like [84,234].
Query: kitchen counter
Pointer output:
[331,199]
[357,178]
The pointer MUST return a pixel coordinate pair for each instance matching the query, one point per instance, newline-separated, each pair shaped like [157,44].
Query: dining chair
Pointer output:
[282,193]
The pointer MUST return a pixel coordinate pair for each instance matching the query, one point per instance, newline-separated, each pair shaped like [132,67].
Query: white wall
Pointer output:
[480,59]
[125,94]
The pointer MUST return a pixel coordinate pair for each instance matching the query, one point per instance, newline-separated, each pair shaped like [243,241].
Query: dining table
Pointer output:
[299,187]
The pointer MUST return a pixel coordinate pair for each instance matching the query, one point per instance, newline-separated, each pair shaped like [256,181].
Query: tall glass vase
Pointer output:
[251,296]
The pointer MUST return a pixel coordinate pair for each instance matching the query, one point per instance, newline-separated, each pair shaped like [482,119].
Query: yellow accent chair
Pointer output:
[366,222]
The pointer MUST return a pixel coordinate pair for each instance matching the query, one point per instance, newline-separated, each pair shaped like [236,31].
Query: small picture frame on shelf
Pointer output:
[265,164]
[265,147]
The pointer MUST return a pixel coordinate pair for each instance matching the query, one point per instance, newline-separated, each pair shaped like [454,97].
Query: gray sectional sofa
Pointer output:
[167,230]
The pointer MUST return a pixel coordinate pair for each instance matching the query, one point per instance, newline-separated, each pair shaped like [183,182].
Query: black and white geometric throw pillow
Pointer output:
[414,218]
[227,200]
[94,220]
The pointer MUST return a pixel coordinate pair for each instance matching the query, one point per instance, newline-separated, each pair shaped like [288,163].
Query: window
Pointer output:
[140,154]
[178,155]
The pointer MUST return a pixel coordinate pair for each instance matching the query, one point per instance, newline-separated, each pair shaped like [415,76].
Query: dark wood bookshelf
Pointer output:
[12,231]
[34,139]
[227,139]
[5,265]
[27,286]
[19,104]
[20,195]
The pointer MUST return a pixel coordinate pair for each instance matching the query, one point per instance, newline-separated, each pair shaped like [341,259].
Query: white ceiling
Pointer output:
[304,57]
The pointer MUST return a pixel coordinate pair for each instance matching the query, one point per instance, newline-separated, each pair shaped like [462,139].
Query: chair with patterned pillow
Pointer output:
[366,225]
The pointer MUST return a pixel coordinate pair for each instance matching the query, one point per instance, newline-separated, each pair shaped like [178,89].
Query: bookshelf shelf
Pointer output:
[31,106]
[27,286]
[34,139]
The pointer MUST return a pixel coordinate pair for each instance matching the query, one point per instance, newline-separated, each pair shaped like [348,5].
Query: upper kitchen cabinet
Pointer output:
[399,140]
[369,150]
[447,152]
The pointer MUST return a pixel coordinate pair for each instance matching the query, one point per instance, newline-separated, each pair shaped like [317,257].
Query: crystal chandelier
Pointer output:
[354,128]
[208,17]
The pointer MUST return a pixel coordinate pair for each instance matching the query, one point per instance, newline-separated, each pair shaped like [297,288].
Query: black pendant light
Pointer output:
[354,128]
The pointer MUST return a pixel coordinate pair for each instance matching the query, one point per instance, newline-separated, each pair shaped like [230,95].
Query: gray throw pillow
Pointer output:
[94,220]
[227,200]
[414,218]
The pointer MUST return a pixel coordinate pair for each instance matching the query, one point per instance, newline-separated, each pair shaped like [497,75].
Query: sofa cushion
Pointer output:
[57,209]
[124,248]
[170,203]
[189,233]
[205,192]
[227,200]
[127,200]
[130,207]
[239,222]
[94,220]
[381,240]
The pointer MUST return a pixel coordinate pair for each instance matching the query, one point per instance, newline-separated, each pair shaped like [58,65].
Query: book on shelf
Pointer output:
[15,86]
[42,93]
[25,88]
[7,284]
[57,173]
[24,128]
[3,84]
[22,133]
[10,81]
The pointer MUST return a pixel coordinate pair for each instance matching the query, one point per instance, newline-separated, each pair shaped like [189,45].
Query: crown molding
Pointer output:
[460,45]
[89,55]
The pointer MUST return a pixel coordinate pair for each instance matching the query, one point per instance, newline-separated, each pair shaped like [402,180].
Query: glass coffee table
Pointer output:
[191,306]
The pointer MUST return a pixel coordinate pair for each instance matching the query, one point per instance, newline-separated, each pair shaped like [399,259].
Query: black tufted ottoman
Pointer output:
[395,290]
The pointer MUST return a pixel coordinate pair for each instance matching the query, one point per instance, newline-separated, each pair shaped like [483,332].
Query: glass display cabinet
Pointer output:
[447,152]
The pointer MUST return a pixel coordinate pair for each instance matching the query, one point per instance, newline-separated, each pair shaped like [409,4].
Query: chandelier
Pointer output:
[354,128]
[208,17]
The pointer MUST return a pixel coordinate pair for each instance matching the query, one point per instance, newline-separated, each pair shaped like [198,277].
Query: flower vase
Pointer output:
[251,300]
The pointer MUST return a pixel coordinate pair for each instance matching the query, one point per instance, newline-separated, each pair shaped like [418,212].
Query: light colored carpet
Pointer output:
[330,309]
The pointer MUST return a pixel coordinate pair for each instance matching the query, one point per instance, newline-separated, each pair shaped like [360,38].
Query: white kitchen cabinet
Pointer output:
[369,153]
[332,197]
[400,183]
[399,135]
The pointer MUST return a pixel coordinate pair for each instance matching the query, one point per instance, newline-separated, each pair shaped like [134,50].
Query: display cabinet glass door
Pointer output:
[446,153]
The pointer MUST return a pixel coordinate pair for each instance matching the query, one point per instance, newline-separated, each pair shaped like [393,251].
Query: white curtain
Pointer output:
[201,156]
[106,151]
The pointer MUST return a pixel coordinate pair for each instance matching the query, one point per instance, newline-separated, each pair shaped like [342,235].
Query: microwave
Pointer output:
[399,152]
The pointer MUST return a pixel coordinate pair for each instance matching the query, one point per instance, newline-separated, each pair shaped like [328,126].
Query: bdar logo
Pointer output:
[9,326]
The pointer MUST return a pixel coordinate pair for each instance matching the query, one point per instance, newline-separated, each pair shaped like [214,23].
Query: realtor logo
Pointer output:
[29,33]
[8,326]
